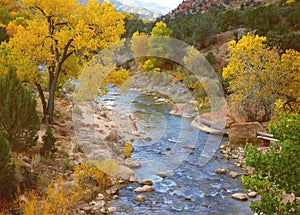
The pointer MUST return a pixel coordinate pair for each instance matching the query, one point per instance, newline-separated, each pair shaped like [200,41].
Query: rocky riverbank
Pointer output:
[96,132]
[84,133]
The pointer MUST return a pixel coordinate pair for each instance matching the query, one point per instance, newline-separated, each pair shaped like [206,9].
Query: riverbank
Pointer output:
[101,134]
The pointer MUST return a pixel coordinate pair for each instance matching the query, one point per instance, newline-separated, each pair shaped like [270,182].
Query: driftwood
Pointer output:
[265,136]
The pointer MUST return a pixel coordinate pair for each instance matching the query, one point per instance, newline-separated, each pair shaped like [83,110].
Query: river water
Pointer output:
[173,150]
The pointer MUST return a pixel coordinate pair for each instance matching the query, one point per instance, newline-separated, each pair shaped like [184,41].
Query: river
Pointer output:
[173,149]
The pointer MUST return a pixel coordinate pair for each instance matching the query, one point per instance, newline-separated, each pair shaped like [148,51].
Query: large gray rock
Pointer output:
[132,163]
[240,133]
[185,110]
[125,173]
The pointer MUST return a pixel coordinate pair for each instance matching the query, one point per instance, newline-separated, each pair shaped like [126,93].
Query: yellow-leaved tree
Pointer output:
[259,76]
[58,39]
[158,46]
[8,4]
[140,46]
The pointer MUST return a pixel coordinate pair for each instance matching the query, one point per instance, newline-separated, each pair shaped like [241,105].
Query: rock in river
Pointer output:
[233,174]
[146,182]
[132,163]
[221,171]
[140,198]
[252,194]
[144,189]
[125,173]
[240,196]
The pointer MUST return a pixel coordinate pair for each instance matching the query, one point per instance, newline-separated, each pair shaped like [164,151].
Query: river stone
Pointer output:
[221,171]
[252,194]
[112,190]
[140,198]
[113,137]
[144,189]
[240,196]
[162,100]
[233,174]
[146,182]
[136,133]
[184,110]
[125,173]
[133,178]
[100,196]
[111,209]
[81,212]
[164,174]
[132,163]
[86,208]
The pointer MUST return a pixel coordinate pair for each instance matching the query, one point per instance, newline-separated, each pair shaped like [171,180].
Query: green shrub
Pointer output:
[19,121]
[7,170]
[277,172]
[211,58]
[48,148]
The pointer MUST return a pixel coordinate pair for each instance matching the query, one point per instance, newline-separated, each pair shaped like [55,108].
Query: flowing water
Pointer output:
[174,150]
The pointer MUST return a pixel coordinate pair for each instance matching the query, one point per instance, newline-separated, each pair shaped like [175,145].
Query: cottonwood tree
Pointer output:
[158,46]
[259,76]
[140,46]
[59,37]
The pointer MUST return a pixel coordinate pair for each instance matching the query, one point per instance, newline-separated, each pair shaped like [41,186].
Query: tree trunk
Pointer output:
[50,107]
[43,100]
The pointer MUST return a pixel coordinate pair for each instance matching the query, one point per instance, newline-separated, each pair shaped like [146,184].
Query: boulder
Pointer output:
[144,189]
[185,110]
[240,196]
[240,133]
[113,137]
[213,122]
[132,163]
[206,125]
[125,173]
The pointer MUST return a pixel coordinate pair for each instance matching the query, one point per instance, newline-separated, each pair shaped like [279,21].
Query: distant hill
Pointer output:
[193,6]
[152,6]
[135,6]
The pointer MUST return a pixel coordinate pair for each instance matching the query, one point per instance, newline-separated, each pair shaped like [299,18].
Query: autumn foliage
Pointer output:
[59,38]
[259,77]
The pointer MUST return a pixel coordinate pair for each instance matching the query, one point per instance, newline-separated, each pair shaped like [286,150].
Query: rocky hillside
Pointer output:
[194,6]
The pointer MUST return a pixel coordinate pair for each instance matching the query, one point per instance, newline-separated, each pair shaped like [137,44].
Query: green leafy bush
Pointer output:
[7,170]
[19,121]
[277,172]
[48,148]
